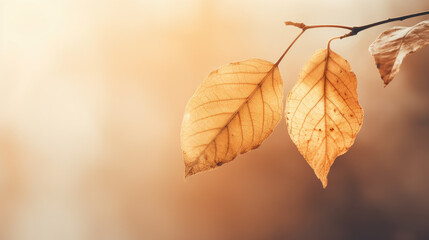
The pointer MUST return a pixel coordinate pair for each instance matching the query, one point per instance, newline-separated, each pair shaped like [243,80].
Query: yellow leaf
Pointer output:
[391,47]
[322,111]
[233,111]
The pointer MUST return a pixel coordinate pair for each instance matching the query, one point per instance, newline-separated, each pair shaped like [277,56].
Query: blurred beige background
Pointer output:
[92,95]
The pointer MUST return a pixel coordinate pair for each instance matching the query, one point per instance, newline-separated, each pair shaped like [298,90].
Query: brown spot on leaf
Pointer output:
[307,132]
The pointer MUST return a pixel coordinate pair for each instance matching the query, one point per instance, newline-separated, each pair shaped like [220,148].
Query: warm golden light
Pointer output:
[92,96]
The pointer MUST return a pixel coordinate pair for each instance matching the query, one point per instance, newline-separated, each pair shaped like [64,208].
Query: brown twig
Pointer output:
[305,27]
[355,30]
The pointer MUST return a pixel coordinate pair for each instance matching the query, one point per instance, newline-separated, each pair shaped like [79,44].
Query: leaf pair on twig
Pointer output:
[238,106]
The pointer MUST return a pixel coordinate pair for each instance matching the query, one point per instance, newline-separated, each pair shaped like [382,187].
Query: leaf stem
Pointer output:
[329,42]
[287,49]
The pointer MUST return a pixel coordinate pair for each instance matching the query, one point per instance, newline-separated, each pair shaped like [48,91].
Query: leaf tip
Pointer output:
[322,175]
[324,181]
[386,82]
[189,171]
[325,184]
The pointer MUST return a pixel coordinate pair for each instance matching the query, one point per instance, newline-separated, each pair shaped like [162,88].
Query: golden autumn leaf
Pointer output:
[233,111]
[322,111]
[391,47]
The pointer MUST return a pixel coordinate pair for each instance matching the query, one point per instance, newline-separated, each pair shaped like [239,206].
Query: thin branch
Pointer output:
[328,26]
[353,30]
[357,29]
[305,27]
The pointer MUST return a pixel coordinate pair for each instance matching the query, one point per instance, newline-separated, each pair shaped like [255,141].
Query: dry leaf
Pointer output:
[322,111]
[233,111]
[390,48]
